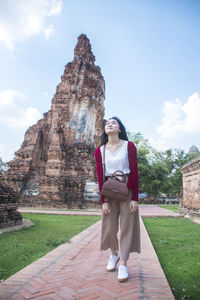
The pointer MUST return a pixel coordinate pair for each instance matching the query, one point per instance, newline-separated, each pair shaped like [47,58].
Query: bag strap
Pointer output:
[115,175]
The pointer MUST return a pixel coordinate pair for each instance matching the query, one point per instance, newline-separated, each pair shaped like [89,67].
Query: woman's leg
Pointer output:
[129,230]
[109,228]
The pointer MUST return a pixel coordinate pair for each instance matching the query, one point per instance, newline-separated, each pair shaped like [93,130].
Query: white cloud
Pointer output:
[158,144]
[14,113]
[48,31]
[55,8]
[179,121]
[22,19]
[192,111]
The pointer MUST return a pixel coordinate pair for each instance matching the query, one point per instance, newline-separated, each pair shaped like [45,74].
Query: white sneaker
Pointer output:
[112,263]
[122,273]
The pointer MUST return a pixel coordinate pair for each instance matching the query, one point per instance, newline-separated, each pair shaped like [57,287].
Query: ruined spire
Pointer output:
[55,165]
[83,50]
[193,150]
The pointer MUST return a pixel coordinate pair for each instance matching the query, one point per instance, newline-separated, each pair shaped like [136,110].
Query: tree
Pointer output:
[152,172]
[159,171]
[180,158]
[1,165]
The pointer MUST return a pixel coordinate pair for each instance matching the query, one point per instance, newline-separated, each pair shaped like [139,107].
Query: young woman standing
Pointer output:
[120,154]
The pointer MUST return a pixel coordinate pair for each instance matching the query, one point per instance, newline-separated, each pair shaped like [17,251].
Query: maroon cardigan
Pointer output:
[133,179]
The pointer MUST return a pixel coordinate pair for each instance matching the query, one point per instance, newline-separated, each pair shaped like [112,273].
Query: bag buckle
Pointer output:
[114,191]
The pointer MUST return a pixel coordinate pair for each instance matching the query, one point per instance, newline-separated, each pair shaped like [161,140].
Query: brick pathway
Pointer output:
[156,211]
[76,270]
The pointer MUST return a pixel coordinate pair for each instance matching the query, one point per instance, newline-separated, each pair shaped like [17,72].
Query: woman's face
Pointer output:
[112,127]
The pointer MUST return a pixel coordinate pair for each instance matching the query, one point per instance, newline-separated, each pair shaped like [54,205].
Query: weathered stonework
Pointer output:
[190,205]
[55,166]
[9,216]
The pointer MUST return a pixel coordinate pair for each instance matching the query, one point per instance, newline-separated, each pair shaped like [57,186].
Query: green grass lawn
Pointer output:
[177,244]
[20,248]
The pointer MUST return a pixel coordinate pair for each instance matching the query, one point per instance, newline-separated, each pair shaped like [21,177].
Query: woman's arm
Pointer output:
[133,164]
[99,169]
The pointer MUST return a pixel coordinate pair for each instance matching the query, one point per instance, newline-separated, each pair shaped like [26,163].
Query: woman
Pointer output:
[120,154]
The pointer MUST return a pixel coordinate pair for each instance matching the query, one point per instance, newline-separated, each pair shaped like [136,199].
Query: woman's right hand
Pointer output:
[106,208]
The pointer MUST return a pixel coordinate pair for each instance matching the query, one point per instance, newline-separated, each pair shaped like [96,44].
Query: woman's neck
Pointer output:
[113,139]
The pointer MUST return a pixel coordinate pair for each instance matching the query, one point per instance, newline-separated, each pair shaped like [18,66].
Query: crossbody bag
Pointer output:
[113,187]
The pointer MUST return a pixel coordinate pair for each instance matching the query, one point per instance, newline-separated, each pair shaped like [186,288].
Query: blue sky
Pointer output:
[148,52]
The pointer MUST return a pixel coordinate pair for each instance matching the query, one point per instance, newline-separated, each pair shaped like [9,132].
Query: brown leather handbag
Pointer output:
[113,187]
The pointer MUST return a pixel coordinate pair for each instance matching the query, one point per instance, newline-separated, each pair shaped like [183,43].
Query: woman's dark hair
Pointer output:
[122,134]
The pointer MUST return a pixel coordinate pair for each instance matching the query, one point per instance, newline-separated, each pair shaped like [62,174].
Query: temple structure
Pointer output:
[55,166]
[190,205]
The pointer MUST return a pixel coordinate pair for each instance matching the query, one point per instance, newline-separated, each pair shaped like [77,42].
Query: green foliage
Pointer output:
[159,171]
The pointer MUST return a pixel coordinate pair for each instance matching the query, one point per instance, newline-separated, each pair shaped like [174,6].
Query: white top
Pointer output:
[117,160]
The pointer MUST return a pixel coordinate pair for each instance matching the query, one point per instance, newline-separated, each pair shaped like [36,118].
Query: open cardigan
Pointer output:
[133,179]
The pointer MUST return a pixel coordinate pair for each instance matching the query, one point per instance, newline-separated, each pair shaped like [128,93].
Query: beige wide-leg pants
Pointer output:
[129,228]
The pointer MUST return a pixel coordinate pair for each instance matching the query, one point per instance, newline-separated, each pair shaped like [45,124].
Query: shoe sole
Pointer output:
[111,270]
[123,279]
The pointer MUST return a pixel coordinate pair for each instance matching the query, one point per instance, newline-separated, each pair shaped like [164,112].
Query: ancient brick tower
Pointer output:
[55,165]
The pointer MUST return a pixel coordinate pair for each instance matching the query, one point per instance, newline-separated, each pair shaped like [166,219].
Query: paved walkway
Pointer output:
[77,270]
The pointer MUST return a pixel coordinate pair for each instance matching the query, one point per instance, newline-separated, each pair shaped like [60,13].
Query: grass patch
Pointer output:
[21,248]
[172,207]
[177,244]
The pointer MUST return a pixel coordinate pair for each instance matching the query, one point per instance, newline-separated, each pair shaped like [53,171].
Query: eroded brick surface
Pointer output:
[9,216]
[55,166]
[191,188]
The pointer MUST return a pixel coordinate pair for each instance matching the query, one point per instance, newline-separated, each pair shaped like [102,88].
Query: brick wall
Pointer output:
[190,204]
[8,206]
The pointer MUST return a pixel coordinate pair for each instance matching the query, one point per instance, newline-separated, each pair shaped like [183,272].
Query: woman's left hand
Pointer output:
[133,206]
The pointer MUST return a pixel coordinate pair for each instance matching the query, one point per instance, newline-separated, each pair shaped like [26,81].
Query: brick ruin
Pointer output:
[190,205]
[55,166]
[9,216]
